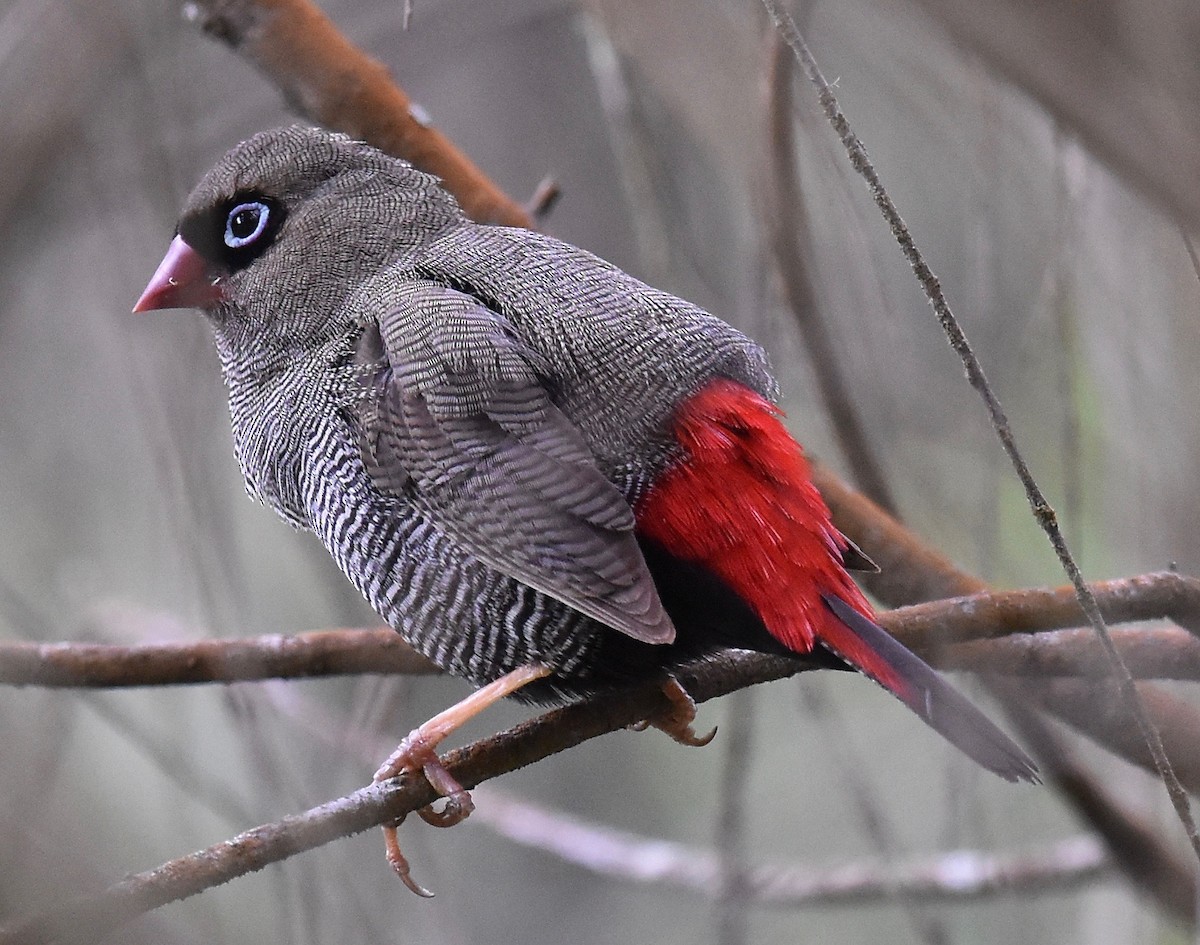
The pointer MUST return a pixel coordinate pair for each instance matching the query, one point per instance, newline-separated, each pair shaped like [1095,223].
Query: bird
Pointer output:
[551,478]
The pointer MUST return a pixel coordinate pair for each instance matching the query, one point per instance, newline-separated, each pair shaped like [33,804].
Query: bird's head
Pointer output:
[280,232]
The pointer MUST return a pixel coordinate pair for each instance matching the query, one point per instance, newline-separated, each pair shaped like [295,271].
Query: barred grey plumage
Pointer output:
[518,453]
[517,541]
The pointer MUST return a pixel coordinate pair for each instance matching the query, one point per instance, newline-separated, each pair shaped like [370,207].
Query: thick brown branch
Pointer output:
[1095,708]
[327,79]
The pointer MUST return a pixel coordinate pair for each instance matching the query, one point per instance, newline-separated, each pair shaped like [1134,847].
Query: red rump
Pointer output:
[741,503]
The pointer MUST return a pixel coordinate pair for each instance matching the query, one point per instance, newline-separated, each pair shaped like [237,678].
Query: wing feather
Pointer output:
[456,415]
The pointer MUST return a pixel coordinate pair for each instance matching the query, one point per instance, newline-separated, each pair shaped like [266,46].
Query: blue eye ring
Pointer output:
[245,223]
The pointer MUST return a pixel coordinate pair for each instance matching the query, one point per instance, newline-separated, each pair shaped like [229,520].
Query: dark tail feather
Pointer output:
[874,652]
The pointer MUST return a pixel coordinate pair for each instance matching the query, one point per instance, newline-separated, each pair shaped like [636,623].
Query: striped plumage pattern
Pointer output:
[304,416]
[517,452]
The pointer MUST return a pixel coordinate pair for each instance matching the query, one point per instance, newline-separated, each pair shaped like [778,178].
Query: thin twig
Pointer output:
[731,906]
[871,813]
[1191,251]
[1042,510]
[103,665]
[630,149]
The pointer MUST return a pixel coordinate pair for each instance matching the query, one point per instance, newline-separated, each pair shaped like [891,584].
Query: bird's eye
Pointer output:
[246,223]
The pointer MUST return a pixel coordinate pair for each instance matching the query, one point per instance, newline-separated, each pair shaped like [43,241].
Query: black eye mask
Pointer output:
[234,232]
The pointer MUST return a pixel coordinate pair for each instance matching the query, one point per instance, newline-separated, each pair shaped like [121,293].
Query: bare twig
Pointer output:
[947,877]
[629,147]
[1191,251]
[869,805]
[251,851]
[791,243]
[545,196]
[1149,652]
[731,906]
[1161,595]
[319,653]
[1042,510]
[924,627]
[327,79]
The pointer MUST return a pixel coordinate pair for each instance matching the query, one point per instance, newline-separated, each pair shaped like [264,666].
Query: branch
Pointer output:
[99,665]
[380,803]
[327,79]
[952,876]
[1149,652]
[1161,595]
[926,628]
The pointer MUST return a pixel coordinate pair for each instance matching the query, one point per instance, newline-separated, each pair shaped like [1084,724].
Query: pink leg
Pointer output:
[419,752]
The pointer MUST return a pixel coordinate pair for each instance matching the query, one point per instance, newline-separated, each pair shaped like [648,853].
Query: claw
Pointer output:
[677,720]
[418,752]
[458,808]
[458,799]
[398,862]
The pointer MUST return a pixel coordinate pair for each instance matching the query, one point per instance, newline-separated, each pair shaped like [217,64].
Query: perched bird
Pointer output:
[550,478]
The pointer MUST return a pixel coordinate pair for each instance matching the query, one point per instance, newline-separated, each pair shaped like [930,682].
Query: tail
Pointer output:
[874,652]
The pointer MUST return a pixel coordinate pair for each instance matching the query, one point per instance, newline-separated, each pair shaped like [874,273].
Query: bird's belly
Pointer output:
[469,619]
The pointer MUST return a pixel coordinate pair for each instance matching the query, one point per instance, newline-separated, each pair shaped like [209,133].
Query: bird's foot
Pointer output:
[418,752]
[677,719]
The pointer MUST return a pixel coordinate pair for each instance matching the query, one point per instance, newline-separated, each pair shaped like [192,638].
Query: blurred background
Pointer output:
[1045,159]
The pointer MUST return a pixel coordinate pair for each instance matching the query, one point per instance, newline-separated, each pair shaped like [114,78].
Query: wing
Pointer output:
[456,415]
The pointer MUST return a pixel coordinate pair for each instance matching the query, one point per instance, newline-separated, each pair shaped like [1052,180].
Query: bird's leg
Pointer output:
[419,752]
[677,720]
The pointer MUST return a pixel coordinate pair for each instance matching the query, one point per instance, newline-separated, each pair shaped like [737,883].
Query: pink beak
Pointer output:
[182,280]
